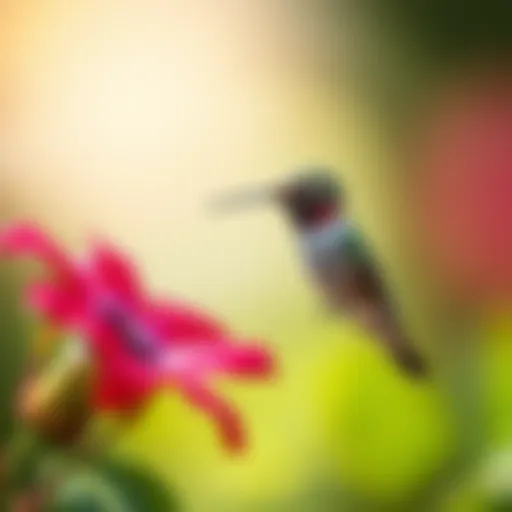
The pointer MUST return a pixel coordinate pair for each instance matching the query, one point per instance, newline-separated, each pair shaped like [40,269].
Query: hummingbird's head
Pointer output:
[310,197]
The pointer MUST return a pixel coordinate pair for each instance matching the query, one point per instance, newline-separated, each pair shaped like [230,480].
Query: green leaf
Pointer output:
[447,30]
[87,493]
[12,352]
[144,489]
[114,487]
[25,454]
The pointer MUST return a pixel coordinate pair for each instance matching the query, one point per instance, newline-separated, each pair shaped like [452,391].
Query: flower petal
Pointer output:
[245,361]
[26,239]
[57,304]
[115,272]
[111,396]
[235,360]
[228,420]
[174,322]
[123,384]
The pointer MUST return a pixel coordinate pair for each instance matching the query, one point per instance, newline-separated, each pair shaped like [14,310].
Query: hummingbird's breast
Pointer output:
[342,265]
[322,251]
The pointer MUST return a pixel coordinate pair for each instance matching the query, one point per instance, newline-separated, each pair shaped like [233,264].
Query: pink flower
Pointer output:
[465,188]
[138,345]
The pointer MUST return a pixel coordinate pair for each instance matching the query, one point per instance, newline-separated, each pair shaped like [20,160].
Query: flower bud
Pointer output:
[55,400]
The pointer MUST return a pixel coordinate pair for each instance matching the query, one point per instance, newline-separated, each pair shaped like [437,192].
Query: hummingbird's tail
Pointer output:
[382,321]
[409,359]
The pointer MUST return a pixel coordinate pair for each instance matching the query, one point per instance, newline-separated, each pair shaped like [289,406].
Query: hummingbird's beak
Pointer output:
[240,199]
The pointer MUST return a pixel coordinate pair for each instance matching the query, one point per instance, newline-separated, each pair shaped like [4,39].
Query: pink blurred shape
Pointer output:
[465,188]
[138,345]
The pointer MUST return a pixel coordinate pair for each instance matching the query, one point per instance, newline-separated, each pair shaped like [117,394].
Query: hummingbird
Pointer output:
[337,255]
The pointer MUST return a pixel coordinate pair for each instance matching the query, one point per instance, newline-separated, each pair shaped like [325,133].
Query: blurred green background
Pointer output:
[124,118]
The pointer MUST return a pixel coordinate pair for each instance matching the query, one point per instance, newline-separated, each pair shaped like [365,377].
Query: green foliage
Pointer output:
[25,456]
[114,486]
[403,48]
[501,505]
[12,353]
[448,30]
